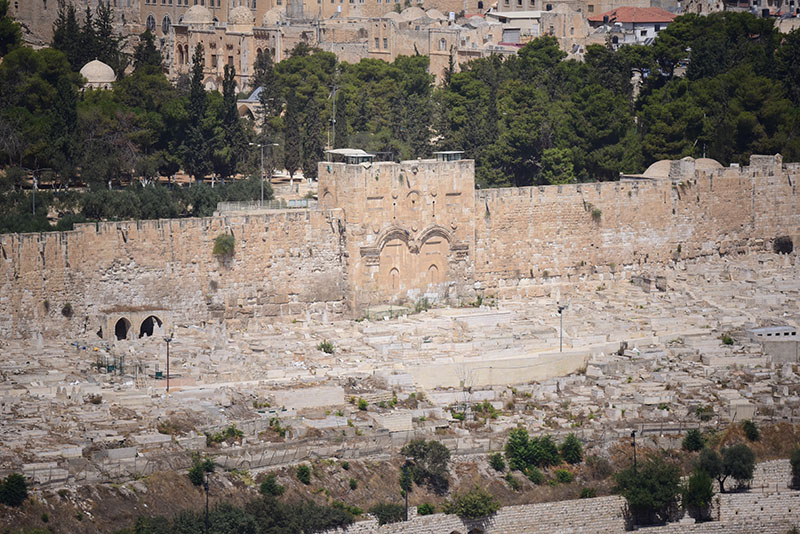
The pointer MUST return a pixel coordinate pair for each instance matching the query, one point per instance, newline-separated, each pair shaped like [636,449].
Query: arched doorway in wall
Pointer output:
[394,279]
[433,275]
[149,325]
[121,328]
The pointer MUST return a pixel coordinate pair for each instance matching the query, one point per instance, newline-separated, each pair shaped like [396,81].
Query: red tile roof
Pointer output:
[635,15]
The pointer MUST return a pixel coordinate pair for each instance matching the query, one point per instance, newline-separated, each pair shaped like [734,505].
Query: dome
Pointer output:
[707,164]
[436,14]
[659,169]
[241,16]
[412,13]
[98,74]
[394,15]
[271,17]
[198,15]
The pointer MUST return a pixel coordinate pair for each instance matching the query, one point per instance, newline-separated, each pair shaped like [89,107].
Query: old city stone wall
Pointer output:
[284,263]
[526,237]
[388,233]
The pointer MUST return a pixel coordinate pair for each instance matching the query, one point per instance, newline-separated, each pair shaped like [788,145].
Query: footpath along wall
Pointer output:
[389,233]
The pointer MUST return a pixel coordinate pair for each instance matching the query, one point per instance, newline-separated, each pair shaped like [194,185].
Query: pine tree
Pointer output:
[341,140]
[360,121]
[146,56]
[313,151]
[291,154]
[67,35]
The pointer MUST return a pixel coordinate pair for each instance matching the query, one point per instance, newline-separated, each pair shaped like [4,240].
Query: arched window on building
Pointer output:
[442,44]
[166,24]
[151,23]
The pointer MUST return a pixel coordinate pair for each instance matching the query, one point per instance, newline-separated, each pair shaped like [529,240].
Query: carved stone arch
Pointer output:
[413,199]
[391,233]
[435,231]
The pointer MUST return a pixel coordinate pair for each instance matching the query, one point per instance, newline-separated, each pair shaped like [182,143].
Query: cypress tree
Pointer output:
[88,44]
[67,35]
[312,142]
[109,45]
[195,147]
[10,32]
[341,121]
[291,154]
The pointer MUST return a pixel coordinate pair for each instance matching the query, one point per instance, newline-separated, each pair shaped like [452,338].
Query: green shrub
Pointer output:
[588,493]
[513,483]
[224,245]
[497,462]
[430,467]
[353,484]
[388,512]
[458,416]
[751,431]
[346,465]
[326,347]
[739,462]
[705,413]
[693,441]
[426,509]
[45,517]
[535,475]
[271,487]
[597,214]
[726,339]
[651,492]
[564,477]
[304,474]
[362,404]
[696,495]
[200,466]
[523,451]
[571,449]
[475,504]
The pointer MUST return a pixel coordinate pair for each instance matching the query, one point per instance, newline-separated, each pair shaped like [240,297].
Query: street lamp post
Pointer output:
[561,327]
[205,487]
[168,339]
[633,435]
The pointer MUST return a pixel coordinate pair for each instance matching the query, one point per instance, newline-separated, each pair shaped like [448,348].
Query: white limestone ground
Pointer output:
[67,419]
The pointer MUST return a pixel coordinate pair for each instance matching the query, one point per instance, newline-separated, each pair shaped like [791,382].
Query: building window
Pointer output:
[254,3]
[377,43]
[151,23]
[658,27]
[643,33]
[166,24]
[385,43]
[533,3]
[44,4]
[230,61]
[519,3]
[442,44]
[590,8]
[213,61]
[549,7]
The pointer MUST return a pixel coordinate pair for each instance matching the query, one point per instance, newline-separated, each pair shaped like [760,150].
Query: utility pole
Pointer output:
[561,327]
[633,435]
[333,119]
[205,486]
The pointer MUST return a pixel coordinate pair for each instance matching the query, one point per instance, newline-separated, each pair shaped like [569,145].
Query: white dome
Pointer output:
[241,16]
[659,169]
[271,17]
[412,13]
[98,73]
[198,15]
[435,14]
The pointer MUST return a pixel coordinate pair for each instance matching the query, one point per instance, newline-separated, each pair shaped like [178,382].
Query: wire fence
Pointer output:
[256,205]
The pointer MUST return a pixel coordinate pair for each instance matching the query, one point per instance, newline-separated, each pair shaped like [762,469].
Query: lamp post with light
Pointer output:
[168,339]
